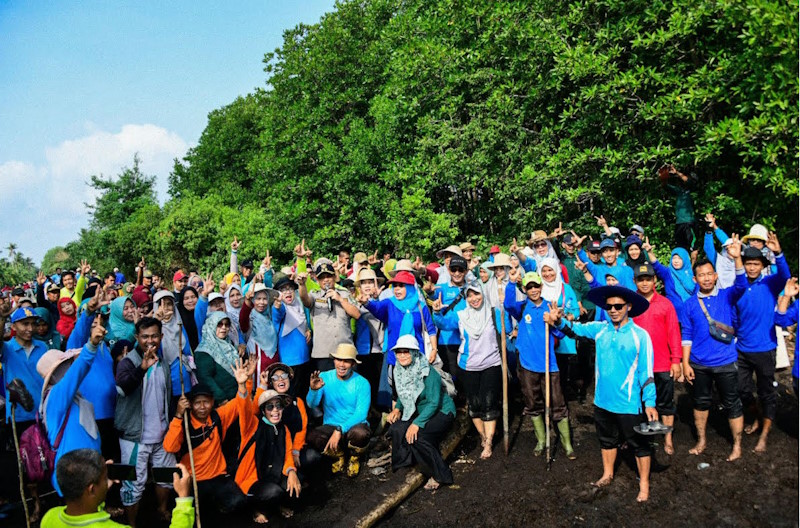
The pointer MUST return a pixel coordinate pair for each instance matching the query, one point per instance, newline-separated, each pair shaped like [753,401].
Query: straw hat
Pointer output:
[270,394]
[367,274]
[500,260]
[536,236]
[404,265]
[757,232]
[360,257]
[467,246]
[346,351]
[455,250]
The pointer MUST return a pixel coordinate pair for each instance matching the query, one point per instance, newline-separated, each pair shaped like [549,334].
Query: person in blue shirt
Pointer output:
[345,398]
[19,357]
[624,368]
[532,354]
[708,359]
[68,416]
[450,299]
[610,263]
[756,339]
[787,315]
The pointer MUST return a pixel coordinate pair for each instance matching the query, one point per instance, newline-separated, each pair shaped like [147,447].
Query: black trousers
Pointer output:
[763,365]
[725,378]
[449,355]
[425,450]
[358,436]
[223,492]
[484,391]
[302,377]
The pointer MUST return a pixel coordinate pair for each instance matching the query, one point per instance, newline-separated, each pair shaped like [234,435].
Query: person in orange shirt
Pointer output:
[207,428]
[266,469]
[279,377]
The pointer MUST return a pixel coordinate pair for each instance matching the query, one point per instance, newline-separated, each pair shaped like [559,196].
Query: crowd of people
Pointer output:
[269,379]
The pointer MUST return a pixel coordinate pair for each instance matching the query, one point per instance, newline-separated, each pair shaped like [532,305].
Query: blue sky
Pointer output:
[87,84]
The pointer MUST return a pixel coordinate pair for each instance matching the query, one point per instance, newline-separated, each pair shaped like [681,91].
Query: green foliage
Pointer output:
[16,268]
[56,257]
[407,125]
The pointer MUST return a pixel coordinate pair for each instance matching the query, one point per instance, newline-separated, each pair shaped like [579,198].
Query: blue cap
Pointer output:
[23,313]
[607,243]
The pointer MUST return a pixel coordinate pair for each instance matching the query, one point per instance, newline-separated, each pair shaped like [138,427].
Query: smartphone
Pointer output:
[164,474]
[121,472]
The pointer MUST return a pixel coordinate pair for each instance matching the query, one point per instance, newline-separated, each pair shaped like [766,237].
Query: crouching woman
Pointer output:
[422,416]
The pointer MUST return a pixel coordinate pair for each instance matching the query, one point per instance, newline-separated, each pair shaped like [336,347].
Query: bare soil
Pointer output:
[517,490]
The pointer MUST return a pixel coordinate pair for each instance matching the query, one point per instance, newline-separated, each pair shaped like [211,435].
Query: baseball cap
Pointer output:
[324,268]
[458,261]
[567,239]
[494,249]
[23,313]
[607,243]
[178,276]
[644,270]
[637,228]
[531,277]
[594,245]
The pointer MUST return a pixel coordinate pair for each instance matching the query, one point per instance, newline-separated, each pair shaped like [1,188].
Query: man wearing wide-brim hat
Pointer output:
[445,255]
[345,398]
[624,367]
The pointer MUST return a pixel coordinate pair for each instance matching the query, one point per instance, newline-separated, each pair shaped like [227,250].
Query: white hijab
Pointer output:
[551,291]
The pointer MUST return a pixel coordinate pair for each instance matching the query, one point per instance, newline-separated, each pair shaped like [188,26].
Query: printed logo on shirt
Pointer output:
[528,318]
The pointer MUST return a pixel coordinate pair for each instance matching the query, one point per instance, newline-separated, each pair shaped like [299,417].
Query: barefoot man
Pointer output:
[709,352]
[624,367]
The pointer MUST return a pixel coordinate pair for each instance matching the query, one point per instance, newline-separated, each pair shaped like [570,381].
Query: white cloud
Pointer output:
[49,200]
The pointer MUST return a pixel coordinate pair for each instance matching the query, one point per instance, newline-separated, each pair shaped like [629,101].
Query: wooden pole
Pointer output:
[19,464]
[413,480]
[504,356]
[547,391]
[186,426]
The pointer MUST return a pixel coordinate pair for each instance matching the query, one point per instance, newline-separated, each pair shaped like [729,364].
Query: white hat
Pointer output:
[260,287]
[213,296]
[161,294]
[404,265]
[757,232]
[407,341]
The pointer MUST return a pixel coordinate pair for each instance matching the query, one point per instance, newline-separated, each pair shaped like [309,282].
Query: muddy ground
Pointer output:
[757,490]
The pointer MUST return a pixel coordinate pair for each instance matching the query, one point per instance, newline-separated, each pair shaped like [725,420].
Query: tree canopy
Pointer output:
[407,125]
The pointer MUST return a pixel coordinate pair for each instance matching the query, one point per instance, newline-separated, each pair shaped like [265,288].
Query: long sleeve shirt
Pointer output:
[292,347]
[620,270]
[661,321]
[20,363]
[531,332]
[624,365]
[98,386]
[392,319]
[345,403]
[448,323]
[664,274]
[62,399]
[431,400]
[755,310]
[705,350]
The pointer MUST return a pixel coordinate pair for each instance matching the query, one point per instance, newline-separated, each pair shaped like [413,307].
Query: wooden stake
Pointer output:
[547,391]
[504,356]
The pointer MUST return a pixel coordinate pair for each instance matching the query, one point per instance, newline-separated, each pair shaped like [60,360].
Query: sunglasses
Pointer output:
[458,270]
[616,306]
[402,351]
[278,377]
[277,406]
[226,324]
[540,244]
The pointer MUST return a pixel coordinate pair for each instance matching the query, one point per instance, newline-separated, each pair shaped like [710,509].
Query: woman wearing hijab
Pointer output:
[233,305]
[501,268]
[555,290]
[479,360]
[280,378]
[403,313]
[215,357]
[45,330]
[633,248]
[187,301]
[67,316]
[422,415]
[266,472]
[173,339]
[485,272]
[257,323]
[121,321]
[675,276]
[294,332]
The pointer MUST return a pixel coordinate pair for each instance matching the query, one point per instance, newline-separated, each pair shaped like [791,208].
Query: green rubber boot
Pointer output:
[539,429]
[566,442]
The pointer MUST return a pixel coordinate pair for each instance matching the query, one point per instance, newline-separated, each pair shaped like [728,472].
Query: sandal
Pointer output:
[652,428]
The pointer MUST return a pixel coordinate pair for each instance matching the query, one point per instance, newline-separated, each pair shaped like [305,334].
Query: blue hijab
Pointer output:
[119,328]
[683,278]
[408,305]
